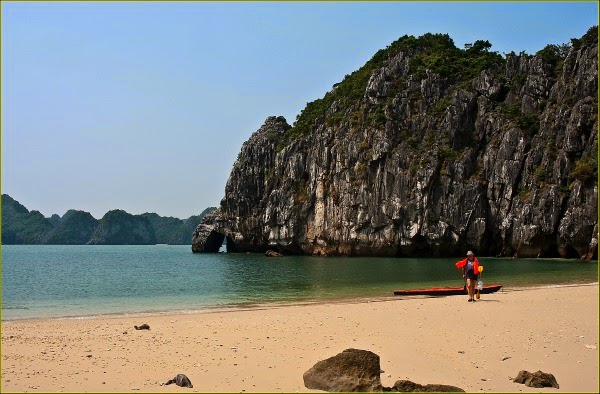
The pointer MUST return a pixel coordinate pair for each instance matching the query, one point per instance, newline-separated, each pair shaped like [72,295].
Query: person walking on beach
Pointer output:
[470,270]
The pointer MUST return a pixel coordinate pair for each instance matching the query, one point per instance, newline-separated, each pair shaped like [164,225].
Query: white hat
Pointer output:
[470,253]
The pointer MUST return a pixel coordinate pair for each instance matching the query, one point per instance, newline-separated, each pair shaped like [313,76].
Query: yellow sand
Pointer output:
[445,340]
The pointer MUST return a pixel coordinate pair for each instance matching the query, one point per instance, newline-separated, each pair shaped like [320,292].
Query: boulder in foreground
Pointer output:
[349,371]
[406,386]
[537,379]
[181,380]
[359,370]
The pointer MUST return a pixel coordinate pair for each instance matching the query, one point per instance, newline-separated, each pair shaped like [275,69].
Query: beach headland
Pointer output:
[476,346]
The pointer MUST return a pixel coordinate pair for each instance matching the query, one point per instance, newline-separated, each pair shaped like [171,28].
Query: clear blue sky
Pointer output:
[144,106]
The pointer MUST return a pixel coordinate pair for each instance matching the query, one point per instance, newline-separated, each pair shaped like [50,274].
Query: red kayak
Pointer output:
[446,291]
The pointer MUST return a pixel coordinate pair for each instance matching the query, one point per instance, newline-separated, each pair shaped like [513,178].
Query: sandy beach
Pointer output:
[446,340]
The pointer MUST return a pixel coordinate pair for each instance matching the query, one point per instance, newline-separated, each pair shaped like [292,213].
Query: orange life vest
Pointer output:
[463,263]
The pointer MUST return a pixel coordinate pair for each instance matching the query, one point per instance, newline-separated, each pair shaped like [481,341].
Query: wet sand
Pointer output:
[447,340]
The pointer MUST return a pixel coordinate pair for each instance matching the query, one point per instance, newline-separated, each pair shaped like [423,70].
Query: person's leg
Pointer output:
[473,291]
[470,288]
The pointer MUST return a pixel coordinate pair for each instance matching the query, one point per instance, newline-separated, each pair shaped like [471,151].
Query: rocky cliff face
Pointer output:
[422,162]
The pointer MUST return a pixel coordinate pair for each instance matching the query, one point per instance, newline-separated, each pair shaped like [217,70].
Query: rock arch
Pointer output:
[210,234]
[213,242]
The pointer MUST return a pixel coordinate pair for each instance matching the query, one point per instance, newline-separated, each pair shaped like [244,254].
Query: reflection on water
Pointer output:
[301,277]
[51,280]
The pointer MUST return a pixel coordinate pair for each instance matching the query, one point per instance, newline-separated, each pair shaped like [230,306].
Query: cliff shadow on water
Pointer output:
[427,150]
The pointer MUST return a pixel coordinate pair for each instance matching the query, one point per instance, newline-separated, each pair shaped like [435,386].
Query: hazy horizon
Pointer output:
[144,106]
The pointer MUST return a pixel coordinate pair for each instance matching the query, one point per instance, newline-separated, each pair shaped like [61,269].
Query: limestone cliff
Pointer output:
[427,152]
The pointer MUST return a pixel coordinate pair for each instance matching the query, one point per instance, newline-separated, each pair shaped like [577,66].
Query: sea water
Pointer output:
[84,280]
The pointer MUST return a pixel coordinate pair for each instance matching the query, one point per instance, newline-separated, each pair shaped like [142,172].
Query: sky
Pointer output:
[144,106]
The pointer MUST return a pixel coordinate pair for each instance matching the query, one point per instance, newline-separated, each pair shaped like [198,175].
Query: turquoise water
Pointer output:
[64,281]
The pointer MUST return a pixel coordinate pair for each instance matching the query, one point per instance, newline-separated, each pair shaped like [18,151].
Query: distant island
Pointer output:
[117,227]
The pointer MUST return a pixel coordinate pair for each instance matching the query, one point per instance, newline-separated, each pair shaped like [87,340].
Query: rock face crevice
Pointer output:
[504,163]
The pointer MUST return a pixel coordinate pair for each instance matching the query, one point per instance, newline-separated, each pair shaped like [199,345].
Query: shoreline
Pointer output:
[271,305]
[444,340]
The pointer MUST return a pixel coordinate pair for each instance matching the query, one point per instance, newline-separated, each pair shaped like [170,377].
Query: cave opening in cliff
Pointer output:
[227,245]
[231,246]
[213,243]
[223,248]
[220,243]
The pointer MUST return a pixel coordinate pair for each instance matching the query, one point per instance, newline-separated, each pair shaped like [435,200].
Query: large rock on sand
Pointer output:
[537,379]
[406,386]
[349,371]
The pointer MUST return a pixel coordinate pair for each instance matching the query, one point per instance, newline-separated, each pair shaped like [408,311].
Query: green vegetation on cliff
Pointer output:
[434,52]
[74,228]
[348,104]
[165,228]
[118,227]
[173,231]
[428,150]
[19,226]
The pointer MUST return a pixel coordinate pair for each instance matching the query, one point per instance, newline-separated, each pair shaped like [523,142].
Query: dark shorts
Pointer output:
[471,275]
